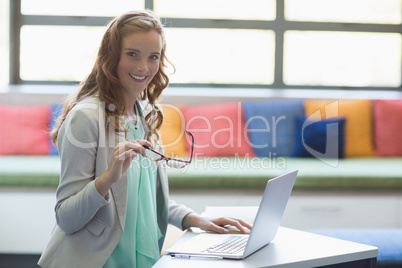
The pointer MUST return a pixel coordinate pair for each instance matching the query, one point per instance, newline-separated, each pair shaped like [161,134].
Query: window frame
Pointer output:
[279,26]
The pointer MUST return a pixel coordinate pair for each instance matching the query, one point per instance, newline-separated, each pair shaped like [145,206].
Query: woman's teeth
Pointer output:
[137,77]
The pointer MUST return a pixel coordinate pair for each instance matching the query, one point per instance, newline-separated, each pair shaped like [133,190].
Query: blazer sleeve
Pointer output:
[77,198]
[177,213]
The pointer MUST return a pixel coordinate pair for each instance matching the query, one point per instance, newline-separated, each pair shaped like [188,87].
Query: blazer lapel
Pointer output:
[119,192]
[119,188]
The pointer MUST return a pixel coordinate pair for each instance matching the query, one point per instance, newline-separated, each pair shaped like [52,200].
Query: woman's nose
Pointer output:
[142,65]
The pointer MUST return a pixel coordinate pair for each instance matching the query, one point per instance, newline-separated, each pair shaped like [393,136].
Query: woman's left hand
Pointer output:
[214,225]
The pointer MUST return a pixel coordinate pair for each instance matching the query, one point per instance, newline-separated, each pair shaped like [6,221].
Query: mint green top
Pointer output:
[138,247]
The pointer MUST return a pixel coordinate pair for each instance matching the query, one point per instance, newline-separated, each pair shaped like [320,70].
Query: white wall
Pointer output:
[27,216]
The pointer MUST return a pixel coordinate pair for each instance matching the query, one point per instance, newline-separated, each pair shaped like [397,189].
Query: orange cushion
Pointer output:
[358,125]
[218,129]
[172,131]
[24,130]
[388,126]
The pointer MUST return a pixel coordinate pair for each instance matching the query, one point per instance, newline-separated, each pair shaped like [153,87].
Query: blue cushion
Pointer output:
[55,111]
[320,139]
[271,126]
[388,241]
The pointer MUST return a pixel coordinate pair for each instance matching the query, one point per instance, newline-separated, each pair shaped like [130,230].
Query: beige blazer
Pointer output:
[88,226]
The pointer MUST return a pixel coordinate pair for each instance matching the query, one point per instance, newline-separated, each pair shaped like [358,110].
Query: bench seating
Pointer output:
[231,173]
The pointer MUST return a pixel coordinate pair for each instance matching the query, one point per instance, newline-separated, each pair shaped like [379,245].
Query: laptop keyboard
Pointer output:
[231,245]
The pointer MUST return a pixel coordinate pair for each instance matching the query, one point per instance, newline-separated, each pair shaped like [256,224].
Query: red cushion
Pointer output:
[24,130]
[218,129]
[388,127]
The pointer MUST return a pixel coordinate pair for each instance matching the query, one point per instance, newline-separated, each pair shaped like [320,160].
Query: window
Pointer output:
[354,11]
[101,8]
[256,43]
[212,9]
[57,44]
[342,59]
[221,56]
[58,53]
[344,56]
[4,47]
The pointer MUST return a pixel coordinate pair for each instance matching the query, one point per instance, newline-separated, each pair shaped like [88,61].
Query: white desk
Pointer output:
[290,248]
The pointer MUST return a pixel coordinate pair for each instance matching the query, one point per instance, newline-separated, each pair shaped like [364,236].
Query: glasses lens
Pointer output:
[153,156]
[176,163]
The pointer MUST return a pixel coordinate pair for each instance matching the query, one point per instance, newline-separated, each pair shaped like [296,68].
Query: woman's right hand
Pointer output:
[123,154]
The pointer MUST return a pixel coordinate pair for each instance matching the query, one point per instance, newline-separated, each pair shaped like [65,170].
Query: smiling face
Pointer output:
[139,62]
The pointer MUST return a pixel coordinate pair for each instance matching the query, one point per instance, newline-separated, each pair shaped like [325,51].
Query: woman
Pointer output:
[113,203]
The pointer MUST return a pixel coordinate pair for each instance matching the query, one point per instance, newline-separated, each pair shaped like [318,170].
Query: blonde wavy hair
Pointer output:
[104,82]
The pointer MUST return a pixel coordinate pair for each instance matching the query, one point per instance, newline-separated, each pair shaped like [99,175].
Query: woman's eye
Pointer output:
[154,57]
[131,54]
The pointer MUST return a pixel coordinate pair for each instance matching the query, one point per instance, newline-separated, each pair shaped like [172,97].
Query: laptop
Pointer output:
[239,246]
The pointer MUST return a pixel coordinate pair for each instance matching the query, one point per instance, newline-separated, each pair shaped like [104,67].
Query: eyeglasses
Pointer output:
[171,162]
